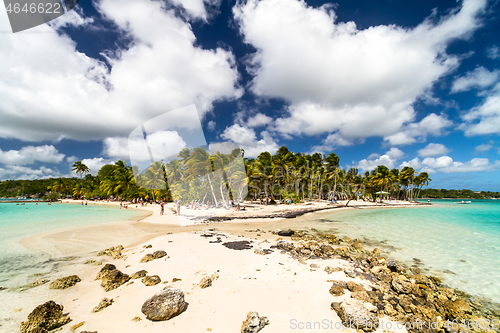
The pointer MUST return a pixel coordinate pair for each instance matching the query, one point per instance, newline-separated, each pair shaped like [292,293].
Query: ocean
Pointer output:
[458,242]
[18,221]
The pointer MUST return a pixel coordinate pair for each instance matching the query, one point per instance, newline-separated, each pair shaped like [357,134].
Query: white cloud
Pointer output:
[493,52]
[339,78]
[222,147]
[432,124]
[259,120]
[198,9]
[433,149]
[484,147]
[211,125]
[49,90]
[30,155]
[331,142]
[162,144]
[14,172]
[485,118]
[478,78]
[388,159]
[447,165]
[246,139]
[94,164]
[71,159]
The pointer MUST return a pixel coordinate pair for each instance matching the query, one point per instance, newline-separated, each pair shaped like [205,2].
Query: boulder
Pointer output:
[159,254]
[44,318]
[151,280]
[355,287]
[357,247]
[114,279]
[353,312]
[287,246]
[34,284]
[139,274]
[337,288]
[401,286]
[105,271]
[104,303]
[65,282]
[254,323]
[114,252]
[330,269]
[147,258]
[207,280]
[286,233]
[164,305]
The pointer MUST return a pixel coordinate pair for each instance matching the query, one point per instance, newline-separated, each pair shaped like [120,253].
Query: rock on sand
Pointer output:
[165,304]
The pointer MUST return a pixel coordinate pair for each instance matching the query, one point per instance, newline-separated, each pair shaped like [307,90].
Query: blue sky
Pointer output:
[377,82]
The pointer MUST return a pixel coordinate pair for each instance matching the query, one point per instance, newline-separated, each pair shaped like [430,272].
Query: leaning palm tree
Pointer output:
[80,169]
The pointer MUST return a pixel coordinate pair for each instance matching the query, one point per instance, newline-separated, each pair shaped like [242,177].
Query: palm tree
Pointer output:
[80,169]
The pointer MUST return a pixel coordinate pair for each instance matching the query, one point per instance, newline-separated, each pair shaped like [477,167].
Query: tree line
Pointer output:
[220,178]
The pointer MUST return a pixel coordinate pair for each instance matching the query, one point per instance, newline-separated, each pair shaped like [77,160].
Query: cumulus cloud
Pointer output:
[432,124]
[30,155]
[331,142]
[339,78]
[388,159]
[246,139]
[211,125]
[49,90]
[484,118]
[14,172]
[94,164]
[259,120]
[161,144]
[447,165]
[493,52]
[478,78]
[484,147]
[433,149]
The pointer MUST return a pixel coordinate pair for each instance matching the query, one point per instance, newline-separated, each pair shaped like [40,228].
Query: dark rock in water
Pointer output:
[105,271]
[114,279]
[254,323]
[238,245]
[353,311]
[357,247]
[2,288]
[164,305]
[151,280]
[286,233]
[44,318]
[104,303]
[65,282]
[139,274]
[435,280]
[159,254]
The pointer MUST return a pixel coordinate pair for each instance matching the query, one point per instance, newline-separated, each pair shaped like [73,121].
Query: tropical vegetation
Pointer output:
[221,178]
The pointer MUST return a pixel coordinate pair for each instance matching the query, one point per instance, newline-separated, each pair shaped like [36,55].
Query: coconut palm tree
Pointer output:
[80,169]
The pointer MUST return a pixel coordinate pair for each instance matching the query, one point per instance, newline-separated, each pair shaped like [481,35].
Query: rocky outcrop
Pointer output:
[105,271]
[34,284]
[65,282]
[139,274]
[164,305]
[337,288]
[206,281]
[254,323]
[114,279]
[147,258]
[353,312]
[151,280]
[159,254]
[331,270]
[104,303]
[44,318]
[115,252]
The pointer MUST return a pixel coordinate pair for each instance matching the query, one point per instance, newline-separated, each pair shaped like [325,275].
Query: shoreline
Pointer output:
[157,231]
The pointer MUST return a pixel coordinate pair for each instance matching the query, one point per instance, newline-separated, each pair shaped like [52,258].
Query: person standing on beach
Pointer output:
[178,208]
[162,205]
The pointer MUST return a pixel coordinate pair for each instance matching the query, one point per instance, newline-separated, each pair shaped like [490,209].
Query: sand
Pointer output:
[290,293]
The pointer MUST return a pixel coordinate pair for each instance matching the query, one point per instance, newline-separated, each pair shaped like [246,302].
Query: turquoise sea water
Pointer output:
[20,221]
[460,243]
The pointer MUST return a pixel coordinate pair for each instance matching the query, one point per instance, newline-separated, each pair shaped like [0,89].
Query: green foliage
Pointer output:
[458,194]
